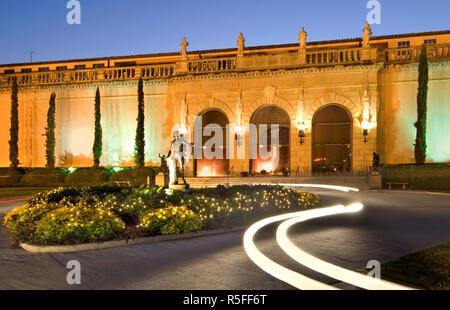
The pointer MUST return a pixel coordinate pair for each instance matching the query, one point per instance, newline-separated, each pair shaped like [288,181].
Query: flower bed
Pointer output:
[75,215]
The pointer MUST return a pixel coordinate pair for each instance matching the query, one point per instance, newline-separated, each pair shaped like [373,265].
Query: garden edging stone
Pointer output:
[121,243]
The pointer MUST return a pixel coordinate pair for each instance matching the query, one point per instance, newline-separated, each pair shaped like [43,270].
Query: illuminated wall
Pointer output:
[75,124]
[398,106]
[392,89]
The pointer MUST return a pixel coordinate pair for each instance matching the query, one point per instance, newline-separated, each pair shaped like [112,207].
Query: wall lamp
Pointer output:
[365,127]
[238,129]
[302,132]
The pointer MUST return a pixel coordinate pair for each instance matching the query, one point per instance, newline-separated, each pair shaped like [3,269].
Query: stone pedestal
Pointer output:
[162,180]
[375,180]
[302,57]
[183,67]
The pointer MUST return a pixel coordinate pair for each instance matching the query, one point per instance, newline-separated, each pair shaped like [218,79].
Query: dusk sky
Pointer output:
[128,27]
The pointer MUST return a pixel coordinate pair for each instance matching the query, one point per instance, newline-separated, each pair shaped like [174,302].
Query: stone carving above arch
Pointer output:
[332,98]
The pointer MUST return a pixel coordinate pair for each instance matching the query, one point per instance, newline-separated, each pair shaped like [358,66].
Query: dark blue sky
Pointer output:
[127,27]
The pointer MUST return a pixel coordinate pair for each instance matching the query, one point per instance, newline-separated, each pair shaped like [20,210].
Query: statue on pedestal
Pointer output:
[367,32]
[179,156]
[302,39]
[184,45]
[241,44]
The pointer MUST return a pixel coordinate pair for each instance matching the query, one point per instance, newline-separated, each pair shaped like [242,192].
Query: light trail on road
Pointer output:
[296,279]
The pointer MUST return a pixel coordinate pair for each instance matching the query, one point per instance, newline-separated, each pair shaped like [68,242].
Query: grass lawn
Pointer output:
[9,192]
[429,268]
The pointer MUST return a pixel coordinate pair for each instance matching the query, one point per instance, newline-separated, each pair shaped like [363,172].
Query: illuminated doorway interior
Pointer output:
[332,141]
[215,167]
[272,115]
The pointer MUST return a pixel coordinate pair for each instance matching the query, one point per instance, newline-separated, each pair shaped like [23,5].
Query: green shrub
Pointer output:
[145,210]
[43,177]
[130,204]
[79,223]
[88,177]
[136,177]
[10,177]
[228,206]
[171,220]
[23,220]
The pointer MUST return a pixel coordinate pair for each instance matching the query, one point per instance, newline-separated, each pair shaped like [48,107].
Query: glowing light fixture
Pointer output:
[238,129]
[365,126]
[302,131]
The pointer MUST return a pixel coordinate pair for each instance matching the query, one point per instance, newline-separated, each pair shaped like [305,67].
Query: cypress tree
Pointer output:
[420,150]
[139,146]
[50,133]
[98,134]
[14,129]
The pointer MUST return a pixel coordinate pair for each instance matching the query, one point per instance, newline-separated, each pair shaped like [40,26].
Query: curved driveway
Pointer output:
[392,224]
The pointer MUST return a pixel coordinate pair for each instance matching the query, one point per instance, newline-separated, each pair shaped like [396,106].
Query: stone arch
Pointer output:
[213,104]
[332,98]
[261,102]
[217,166]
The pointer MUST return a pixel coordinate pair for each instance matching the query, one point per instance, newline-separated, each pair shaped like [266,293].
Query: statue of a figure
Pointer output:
[184,45]
[179,156]
[367,32]
[164,167]
[241,44]
[375,161]
[302,39]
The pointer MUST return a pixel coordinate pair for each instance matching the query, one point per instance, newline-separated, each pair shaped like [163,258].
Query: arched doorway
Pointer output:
[271,115]
[216,166]
[332,140]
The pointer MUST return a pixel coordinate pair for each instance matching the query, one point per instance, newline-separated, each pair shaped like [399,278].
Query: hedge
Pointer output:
[420,177]
[88,177]
[43,177]
[10,177]
[136,177]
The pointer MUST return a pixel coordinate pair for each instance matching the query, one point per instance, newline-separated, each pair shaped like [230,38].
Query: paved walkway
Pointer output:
[392,224]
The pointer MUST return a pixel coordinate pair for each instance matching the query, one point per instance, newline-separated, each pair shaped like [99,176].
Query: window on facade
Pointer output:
[27,70]
[404,44]
[99,66]
[61,68]
[44,69]
[9,71]
[80,67]
[429,42]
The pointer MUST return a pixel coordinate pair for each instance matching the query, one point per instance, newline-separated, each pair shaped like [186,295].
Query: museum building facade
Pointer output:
[335,102]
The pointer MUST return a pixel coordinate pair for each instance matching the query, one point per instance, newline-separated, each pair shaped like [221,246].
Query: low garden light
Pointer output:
[302,132]
[117,169]
[72,170]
